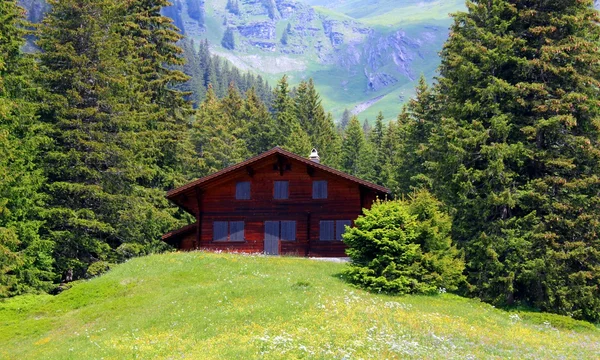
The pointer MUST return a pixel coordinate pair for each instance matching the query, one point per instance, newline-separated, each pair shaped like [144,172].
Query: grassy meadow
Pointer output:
[208,306]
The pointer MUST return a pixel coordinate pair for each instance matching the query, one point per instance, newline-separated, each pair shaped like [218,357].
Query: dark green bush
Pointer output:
[404,247]
[130,250]
[98,268]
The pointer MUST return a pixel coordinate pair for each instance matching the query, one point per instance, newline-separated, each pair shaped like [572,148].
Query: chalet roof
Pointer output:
[171,195]
[184,230]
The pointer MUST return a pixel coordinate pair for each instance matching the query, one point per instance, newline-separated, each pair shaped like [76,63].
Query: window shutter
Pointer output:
[281,189]
[288,230]
[341,228]
[220,231]
[320,189]
[326,230]
[242,190]
[237,231]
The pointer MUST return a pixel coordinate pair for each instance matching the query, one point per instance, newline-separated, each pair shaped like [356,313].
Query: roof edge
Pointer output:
[179,231]
[276,150]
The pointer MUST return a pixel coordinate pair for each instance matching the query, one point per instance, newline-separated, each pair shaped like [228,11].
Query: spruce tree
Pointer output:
[87,169]
[367,128]
[288,132]
[516,152]
[213,134]
[318,125]
[228,41]
[231,106]
[118,124]
[376,140]
[26,262]
[345,120]
[259,126]
[417,121]
[163,143]
[390,156]
[356,156]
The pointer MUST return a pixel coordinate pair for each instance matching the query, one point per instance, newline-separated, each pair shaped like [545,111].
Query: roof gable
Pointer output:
[207,180]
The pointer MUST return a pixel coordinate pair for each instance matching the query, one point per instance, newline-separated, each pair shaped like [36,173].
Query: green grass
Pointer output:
[209,306]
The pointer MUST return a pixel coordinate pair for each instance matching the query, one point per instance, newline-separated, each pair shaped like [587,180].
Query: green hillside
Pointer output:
[208,306]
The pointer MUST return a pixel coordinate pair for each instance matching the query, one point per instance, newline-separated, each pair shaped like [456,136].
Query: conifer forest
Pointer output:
[115,107]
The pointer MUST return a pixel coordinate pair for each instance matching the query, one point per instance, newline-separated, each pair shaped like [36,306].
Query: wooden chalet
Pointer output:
[276,203]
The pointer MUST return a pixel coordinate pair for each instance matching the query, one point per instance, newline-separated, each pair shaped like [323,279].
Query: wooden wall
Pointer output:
[217,203]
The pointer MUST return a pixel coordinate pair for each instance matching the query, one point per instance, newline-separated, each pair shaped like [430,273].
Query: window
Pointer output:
[330,230]
[236,228]
[340,228]
[326,232]
[228,231]
[320,189]
[288,230]
[242,190]
[220,231]
[281,191]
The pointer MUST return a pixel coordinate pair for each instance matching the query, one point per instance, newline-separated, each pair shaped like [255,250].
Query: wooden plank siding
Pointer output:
[217,202]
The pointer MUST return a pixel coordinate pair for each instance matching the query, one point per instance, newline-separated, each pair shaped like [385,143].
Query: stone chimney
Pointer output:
[314,156]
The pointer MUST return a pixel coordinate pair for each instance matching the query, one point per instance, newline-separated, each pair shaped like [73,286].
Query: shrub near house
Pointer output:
[404,247]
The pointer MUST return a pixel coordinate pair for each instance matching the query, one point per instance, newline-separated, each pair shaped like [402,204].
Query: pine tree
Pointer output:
[284,38]
[192,69]
[345,120]
[516,152]
[288,132]
[228,41]
[378,131]
[119,127]
[87,169]
[391,155]
[367,127]
[356,154]
[163,145]
[232,106]
[318,125]
[417,120]
[202,69]
[259,126]
[376,139]
[213,137]
[26,263]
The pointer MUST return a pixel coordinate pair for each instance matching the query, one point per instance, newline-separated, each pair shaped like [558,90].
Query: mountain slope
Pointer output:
[360,53]
[365,55]
[202,305]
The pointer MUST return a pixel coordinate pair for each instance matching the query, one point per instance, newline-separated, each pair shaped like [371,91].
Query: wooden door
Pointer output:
[272,237]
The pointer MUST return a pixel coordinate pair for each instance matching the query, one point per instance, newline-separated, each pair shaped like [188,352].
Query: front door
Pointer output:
[272,237]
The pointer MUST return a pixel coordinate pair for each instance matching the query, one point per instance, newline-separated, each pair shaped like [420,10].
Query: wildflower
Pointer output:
[514,318]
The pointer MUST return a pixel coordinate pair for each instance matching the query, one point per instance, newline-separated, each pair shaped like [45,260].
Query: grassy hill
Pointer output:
[208,306]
